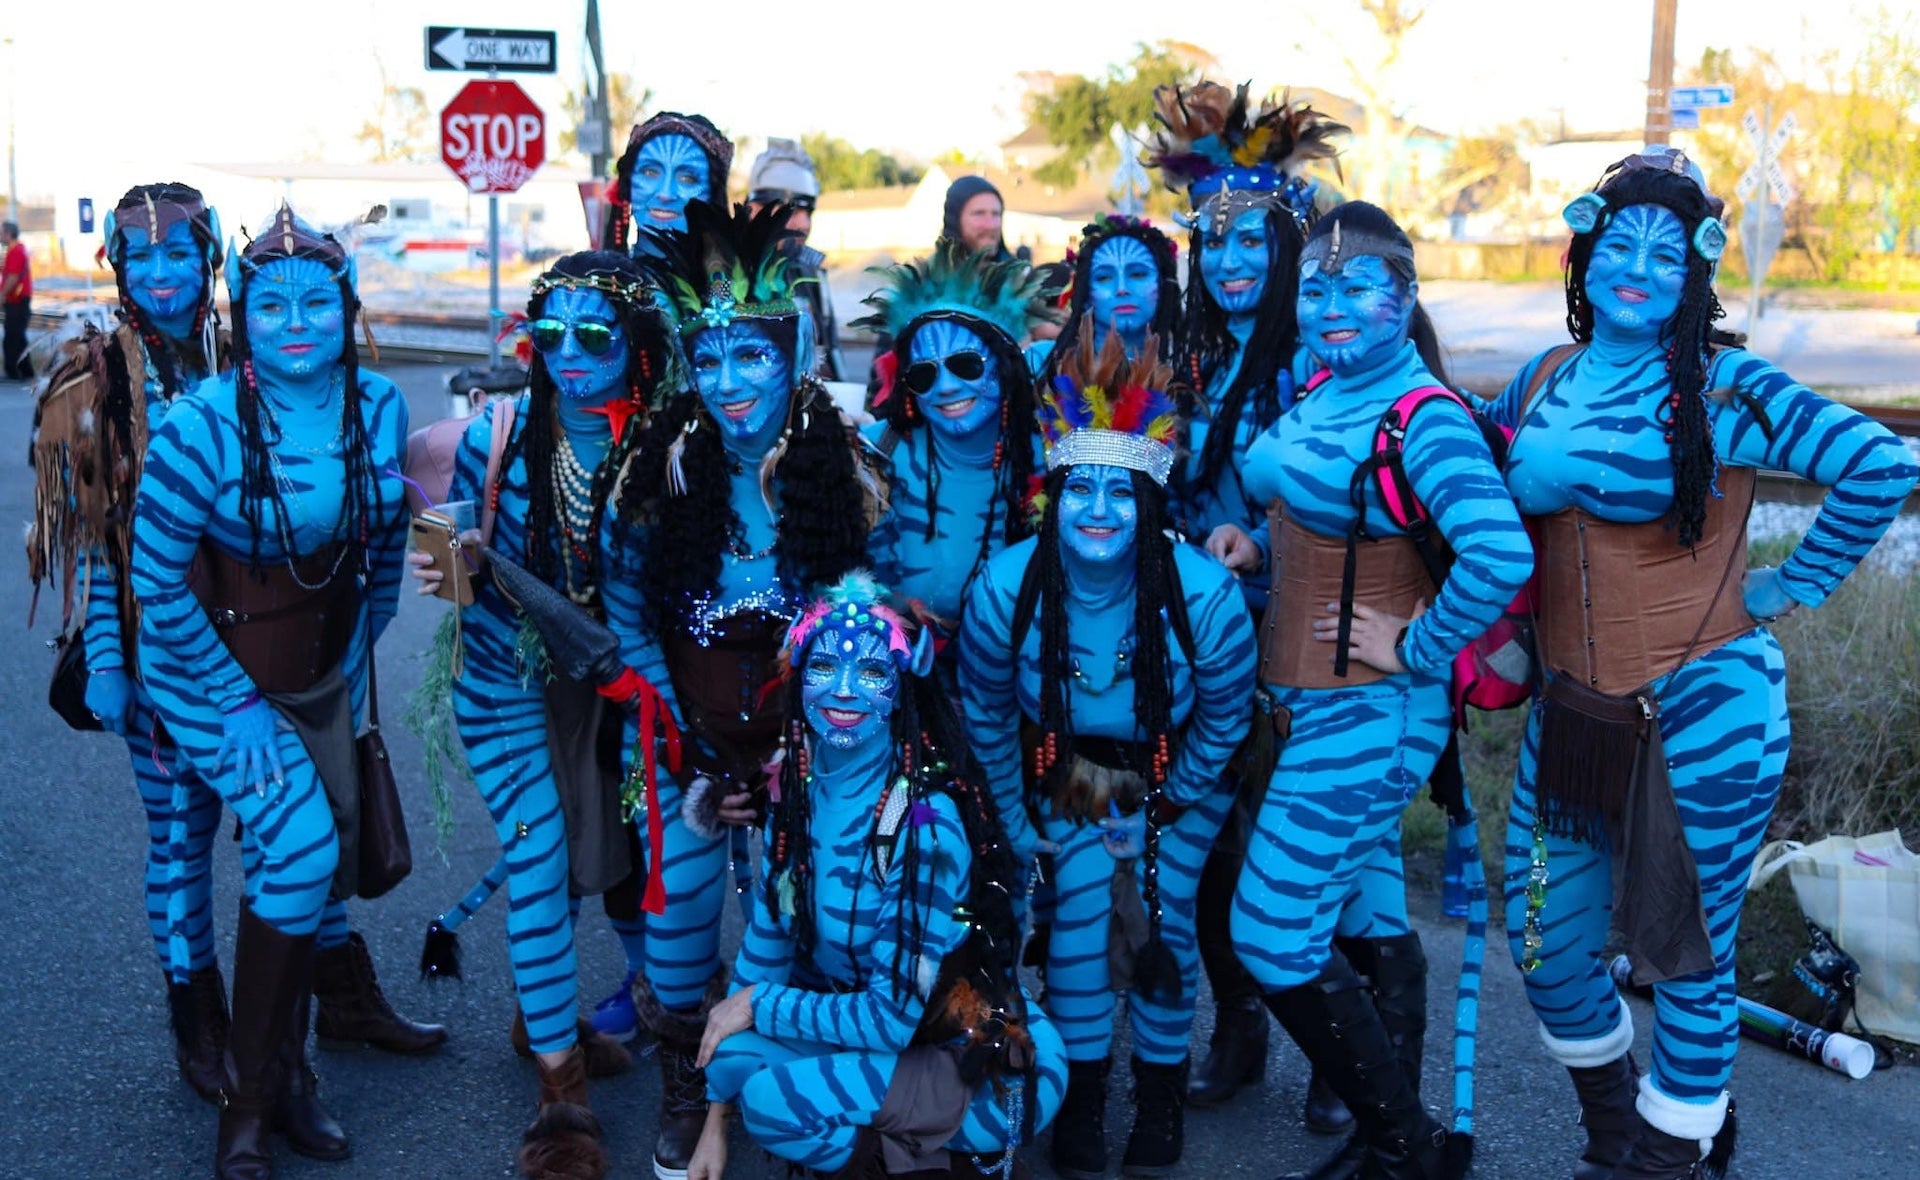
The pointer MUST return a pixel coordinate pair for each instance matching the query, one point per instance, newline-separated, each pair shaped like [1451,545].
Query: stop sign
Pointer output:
[493,136]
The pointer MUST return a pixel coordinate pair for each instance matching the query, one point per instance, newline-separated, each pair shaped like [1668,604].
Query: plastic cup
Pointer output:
[1849,1055]
[460,512]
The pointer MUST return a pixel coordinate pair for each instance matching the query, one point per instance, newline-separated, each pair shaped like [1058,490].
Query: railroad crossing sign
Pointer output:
[1766,168]
[1129,185]
[493,136]
[509,51]
[1763,222]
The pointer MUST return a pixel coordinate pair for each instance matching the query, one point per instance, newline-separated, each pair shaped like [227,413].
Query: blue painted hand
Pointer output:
[110,696]
[1126,835]
[1763,592]
[250,735]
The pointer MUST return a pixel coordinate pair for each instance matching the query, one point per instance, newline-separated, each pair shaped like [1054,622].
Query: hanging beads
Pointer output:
[1532,936]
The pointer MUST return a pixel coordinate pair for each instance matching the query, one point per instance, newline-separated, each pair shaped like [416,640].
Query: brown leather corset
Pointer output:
[728,688]
[1307,571]
[1621,605]
[283,635]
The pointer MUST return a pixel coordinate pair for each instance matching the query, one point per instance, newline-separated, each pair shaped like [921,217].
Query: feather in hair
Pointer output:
[1006,295]
[1207,128]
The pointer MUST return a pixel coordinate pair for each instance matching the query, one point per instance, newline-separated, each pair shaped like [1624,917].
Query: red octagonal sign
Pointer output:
[493,136]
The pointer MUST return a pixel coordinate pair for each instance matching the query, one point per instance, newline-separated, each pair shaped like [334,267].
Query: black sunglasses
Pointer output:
[549,335]
[968,366]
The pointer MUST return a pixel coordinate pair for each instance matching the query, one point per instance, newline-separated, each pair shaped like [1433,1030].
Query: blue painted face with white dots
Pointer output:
[1123,287]
[1637,271]
[296,321]
[166,278]
[1354,320]
[849,684]
[956,406]
[590,320]
[1099,517]
[745,380]
[1234,264]
[668,171]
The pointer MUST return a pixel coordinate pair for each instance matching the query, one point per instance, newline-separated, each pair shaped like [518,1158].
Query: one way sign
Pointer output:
[510,51]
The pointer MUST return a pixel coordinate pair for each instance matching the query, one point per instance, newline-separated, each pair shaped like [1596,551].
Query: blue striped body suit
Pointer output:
[1324,858]
[1211,703]
[829,1028]
[499,705]
[1591,440]
[190,492]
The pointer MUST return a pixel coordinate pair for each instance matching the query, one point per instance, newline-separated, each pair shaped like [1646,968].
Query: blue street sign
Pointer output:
[1688,98]
[86,215]
[1686,119]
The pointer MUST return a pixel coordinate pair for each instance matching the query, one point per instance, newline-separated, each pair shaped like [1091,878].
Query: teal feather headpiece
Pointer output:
[725,268]
[1003,295]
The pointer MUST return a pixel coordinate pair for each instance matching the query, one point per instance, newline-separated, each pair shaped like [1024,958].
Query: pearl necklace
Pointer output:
[573,487]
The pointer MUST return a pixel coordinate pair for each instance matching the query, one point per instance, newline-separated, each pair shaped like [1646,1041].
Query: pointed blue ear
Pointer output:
[922,662]
[233,273]
[1710,239]
[214,239]
[108,225]
[1584,212]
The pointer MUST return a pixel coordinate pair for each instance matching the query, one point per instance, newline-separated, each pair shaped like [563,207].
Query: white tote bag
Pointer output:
[1866,893]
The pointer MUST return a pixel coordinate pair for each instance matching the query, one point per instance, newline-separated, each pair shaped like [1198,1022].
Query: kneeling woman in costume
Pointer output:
[543,748]
[1633,463]
[1358,666]
[267,555]
[1123,661]
[747,491]
[877,1023]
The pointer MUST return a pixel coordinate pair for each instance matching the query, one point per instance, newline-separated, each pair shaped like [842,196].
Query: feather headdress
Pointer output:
[1229,158]
[724,268]
[1103,407]
[1005,295]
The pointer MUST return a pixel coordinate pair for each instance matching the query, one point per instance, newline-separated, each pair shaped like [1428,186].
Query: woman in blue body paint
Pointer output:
[749,490]
[848,1044]
[544,749]
[670,159]
[1633,463]
[1126,276]
[267,554]
[1126,658]
[954,418]
[1361,694]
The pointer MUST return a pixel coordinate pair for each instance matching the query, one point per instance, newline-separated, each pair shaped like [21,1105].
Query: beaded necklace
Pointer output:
[573,488]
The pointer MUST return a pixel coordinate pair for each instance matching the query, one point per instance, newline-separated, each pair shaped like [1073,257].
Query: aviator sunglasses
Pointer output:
[920,376]
[549,334]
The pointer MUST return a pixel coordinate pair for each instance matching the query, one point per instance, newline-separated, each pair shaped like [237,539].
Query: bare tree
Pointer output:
[401,126]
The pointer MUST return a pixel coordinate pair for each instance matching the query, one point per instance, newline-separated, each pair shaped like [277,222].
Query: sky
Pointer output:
[135,84]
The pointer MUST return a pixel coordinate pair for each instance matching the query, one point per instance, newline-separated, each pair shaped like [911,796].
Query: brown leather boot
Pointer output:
[198,1012]
[564,1141]
[297,1114]
[606,1057]
[353,1010]
[272,971]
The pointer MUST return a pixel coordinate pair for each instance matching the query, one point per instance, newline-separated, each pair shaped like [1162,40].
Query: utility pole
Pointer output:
[599,113]
[13,179]
[1660,73]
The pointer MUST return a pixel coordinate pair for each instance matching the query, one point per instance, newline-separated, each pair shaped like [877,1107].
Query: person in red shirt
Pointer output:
[16,293]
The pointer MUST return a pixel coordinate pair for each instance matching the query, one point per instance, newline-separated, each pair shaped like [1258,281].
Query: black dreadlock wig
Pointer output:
[286,238]
[822,527]
[933,757]
[1686,336]
[1166,315]
[650,351]
[1205,345]
[718,149]
[1372,220]
[206,234]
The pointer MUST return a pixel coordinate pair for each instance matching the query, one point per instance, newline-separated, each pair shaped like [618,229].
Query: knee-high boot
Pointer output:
[1607,1094]
[197,1009]
[272,971]
[297,1114]
[1336,1024]
[1396,972]
[1237,1051]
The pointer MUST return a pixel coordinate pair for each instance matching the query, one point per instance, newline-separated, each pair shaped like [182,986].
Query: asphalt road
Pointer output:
[92,1093]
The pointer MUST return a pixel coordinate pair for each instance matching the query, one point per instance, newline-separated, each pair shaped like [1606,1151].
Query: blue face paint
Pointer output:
[745,380]
[1234,265]
[166,279]
[668,171]
[848,686]
[1098,515]
[1637,271]
[956,406]
[1354,320]
[1123,287]
[577,373]
[296,322]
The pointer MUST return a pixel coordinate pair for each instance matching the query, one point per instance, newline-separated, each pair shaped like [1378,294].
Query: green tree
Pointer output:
[1079,113]
[840,165]
[400,129]
[627,103]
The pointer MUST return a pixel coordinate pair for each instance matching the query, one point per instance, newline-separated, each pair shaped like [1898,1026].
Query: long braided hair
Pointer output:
[618,233]
[287,238]
[1686,336]
[1097,233]
[1206,344]
[650,349]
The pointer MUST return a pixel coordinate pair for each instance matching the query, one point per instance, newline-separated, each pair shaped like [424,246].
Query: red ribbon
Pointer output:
[884,367]
[619,412]
[655,718]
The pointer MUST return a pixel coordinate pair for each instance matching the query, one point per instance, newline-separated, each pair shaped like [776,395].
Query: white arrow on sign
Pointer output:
[465,50]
